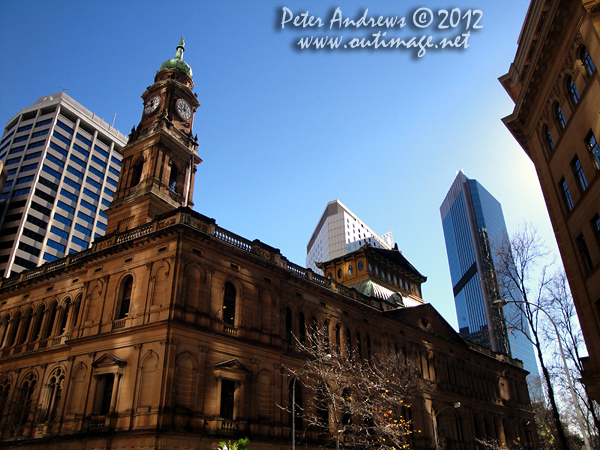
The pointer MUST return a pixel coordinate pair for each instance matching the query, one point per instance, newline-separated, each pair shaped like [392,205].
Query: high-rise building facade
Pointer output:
[555,84]
[473,225]
[63,165]
[338,232]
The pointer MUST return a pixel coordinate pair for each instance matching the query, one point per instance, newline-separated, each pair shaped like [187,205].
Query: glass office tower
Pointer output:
[473,224]
[63,164]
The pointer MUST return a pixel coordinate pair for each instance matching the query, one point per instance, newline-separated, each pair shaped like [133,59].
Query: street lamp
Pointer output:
[501,304]
[435,435]
[296,373]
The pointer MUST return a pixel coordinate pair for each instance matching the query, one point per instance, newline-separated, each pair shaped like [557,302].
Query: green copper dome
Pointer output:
[177,63]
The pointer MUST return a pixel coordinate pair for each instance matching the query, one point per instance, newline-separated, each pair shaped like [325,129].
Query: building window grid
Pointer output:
[560,117]
[564,188]
[592,145]
[572,91]
[586,59]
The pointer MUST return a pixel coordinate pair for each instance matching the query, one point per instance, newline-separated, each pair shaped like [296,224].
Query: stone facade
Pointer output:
[555,85]
[175,333]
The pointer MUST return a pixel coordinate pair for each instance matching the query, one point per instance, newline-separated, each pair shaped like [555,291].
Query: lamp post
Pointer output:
[435,435]
[502,304]
[296,373]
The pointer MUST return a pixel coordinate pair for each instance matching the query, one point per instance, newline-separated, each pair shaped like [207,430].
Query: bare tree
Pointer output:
[524,277]
[565,317]
[355,401]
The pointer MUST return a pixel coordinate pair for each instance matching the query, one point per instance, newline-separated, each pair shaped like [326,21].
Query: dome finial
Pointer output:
[180,49]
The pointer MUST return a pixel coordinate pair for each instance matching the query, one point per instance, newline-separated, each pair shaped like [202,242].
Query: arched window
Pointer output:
[173,178]
[559,116]
[288,325]
[229,304]
[548,138]
[314,332]
[348,342]
[50,324]
[572,90]
[55,391]
[301,329]
[338,330]
[25,399]
[136,172]
[4,329]
[65,317]
[37,326]
[326,335]
[358,345]
[124,302]
[586,59]
[25,327]
[12,336]
[4,391]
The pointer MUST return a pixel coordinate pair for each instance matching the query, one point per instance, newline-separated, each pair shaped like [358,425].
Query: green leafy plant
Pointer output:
[242,444]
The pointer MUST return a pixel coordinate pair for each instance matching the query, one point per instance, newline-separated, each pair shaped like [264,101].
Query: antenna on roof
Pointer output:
[64,89]
[114,118]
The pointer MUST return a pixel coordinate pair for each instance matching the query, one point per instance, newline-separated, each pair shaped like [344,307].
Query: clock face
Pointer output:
[184,109]
[151,105]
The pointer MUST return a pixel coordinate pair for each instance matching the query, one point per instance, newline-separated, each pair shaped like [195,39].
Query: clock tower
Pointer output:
[160,158]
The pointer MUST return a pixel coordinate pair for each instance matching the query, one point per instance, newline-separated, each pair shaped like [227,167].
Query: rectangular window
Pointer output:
[12,161]
[96,172]
[40,133]
[81,150]
[80,242]
[44,196]
[88,205]
[25,128]
[7,137]
[90,194]
[29,249]
[36,144]
[61,138]
[59,232]
[109,192]
[65,207]
[58,148]
[64,126]
[101,151]
[79,161]
[16,150]
[75,172]
[101,226]
[32,156]
[48,184]
[585,254]
[69,195]
[29,167]
[63,220]
[56,245]
[37,222]
[93,183]
[83,139]
[24,263]
[564,189]
[12,172]
[25,179]
[579,175]
[55,160]
[99,161]
[21,192]
[592,145]
[72,183]
[8,184]
[595,222]
[97,235]
[21,139]
[113,171]
[83,229]
[40,208]
[105,202]
[103,215]
[85,217]
[111,181]
[33,235]
[43,122]
[51,171]
[116,161]
[50,258]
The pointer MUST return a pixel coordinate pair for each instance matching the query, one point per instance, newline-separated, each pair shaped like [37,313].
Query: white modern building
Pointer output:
[339,232]
[63,164]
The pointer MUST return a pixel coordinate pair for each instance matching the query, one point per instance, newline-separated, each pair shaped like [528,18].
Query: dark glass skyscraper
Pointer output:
[473,223]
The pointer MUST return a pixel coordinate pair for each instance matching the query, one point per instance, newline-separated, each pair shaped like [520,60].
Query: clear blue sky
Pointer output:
[284,131]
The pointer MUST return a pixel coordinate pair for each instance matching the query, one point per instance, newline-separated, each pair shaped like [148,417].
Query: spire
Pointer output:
[177,63]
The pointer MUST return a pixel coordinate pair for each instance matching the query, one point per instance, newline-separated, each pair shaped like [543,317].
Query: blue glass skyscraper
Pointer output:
[473,224]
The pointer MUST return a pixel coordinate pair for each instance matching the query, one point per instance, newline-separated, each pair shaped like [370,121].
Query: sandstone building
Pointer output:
[555,85]
[171,332]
